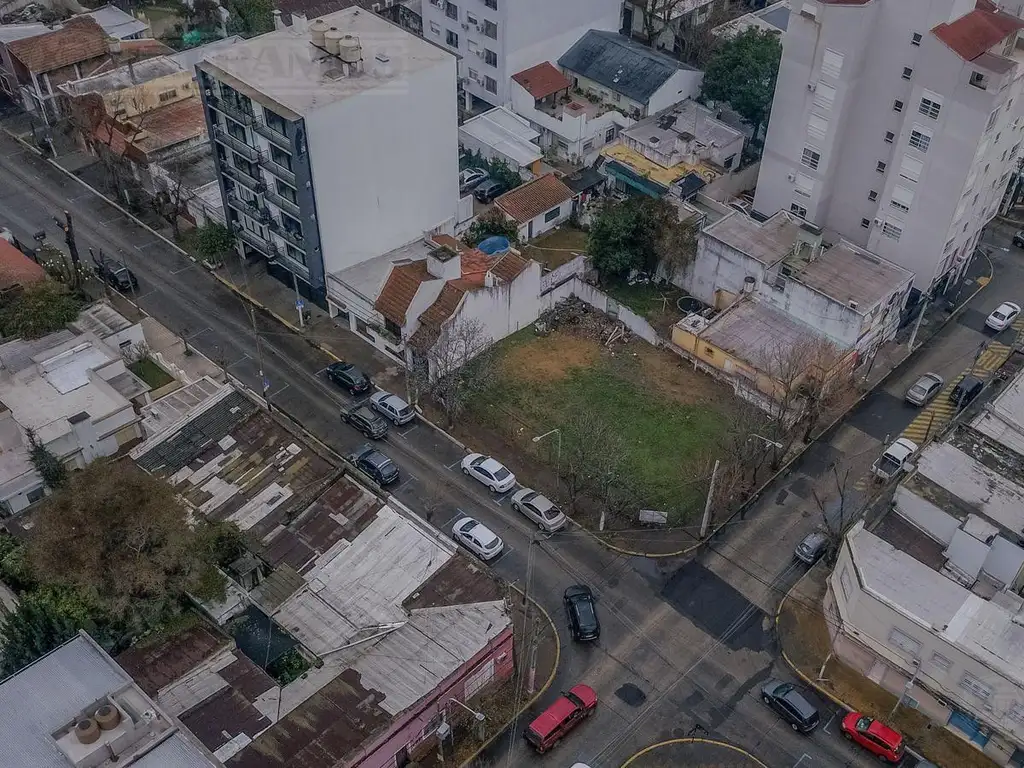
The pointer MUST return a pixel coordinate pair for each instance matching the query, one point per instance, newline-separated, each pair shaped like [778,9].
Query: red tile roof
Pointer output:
[400,289]
[534,198]
[16,268]
[542,80]
[80,39]
[974,33]
[436,314]
[475,264]
[509,267]
[160,128]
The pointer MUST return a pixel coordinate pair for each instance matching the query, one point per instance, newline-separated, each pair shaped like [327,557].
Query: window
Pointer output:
[824,96]
[470,18]
[473,74]
[902,198]
[609,135]
[363,328]
[910,168]
[804,185]
[588,145]
[908,73]
[275,122]
[872,195]
[281,157]
[451,10]
[492,4]
[929,107]
[880,166]
[451,38]
[728,162]
[865,223]
[889,136]
[491,84]
[490,58]
[36,494]
[490,29]
[904,642]
[920,139]
[810,158]
[798,209]
[168,95]
[971,684]
[892,231]
[709,351]
[831,63]
[897,106]
[435,29]
[1016,712]
[845,584]
[287,192]
[915,39]
[552,214]
[817,127]
[295,254]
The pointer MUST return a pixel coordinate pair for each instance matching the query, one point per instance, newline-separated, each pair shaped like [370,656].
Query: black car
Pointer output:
[115,274]
[582,613]
[786,699]
[348,376]
[1018,239]
[965,391]
[375,464]
[489,190]
[367,421]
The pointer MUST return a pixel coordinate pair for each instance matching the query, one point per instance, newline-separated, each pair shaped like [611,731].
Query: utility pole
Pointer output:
[707,505]
[917,325]
[68,225]
[299,304]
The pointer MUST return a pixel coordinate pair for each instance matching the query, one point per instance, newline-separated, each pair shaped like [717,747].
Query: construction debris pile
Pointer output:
[573,315]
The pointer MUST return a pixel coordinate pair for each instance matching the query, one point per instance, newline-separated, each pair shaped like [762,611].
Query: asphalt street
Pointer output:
[684,644]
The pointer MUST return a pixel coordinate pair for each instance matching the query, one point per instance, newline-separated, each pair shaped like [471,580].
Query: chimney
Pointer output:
[444,263]
[113,46]
[278,21]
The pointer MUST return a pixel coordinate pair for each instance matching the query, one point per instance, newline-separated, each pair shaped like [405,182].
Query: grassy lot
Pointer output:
[151,373]
[555,248]
[667,416]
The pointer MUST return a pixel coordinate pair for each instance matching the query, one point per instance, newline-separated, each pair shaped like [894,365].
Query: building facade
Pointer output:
[336,141]
[496,38]
[896,124]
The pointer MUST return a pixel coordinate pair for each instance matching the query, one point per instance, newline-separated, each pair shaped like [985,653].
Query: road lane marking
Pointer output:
[454,464]
[825,728]
[803,757]
[410,479]
[146,245]
[411,429]
[183,269]
[500,557]
[277,392]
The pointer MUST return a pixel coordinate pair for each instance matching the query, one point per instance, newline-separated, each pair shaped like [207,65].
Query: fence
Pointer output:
[560,275]
[595,297]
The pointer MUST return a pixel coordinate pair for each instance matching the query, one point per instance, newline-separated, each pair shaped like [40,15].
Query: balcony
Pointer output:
[272,135]
[249,208]
[236,145]
[234,111]
[249,182]
[287,235]
[263,246]
[284,204]
[278,170]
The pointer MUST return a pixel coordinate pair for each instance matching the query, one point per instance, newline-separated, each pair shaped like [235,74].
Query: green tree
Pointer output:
[501,171]
[742,72]
[638,233]
[251,17]
[14,569]
[43,620]
[489,223]
[39,309]
[213,241]
[53,472]
[121,538]
[205,14]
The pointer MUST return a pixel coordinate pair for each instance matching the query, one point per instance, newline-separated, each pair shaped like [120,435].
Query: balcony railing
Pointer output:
[287,235]
[283,203]
[249,208]
[263,246]
[278,170]
[272,134]
[232,110]
[243,178]
[250,153]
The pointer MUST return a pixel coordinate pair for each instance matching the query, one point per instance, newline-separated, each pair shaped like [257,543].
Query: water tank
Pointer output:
[349,49]
[317,29]
[749,282]
[332,39]
[87,731]
[494,245]
[107,717]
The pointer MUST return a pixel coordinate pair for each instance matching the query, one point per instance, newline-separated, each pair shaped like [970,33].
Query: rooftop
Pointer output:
[79,40]
[45,699]
[620,64]
[188,58]
[754,331]
[400,289]
[125,77]
[506,133]
[771,18]
[683,130]
[975,32]
[11,32]
[162,128]
[542,80]
[281,65]
[117,23]
[534,198]
[16,268]
[367,277]
[769,242]
[1002,420]
[101,319]
[849,275]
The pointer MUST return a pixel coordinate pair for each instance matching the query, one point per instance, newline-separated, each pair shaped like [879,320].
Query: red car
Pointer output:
[877,738]
[568,711]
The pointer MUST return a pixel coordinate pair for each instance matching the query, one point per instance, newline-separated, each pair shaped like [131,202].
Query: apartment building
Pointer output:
[494,39]
[896,124]
[335,142]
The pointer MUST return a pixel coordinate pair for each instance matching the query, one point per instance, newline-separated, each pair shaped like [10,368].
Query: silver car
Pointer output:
[811,548]
[924,389]
[393,407]
[477,538]
[539,508]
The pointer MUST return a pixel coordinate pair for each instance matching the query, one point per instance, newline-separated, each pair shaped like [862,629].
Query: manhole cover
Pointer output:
[631,695]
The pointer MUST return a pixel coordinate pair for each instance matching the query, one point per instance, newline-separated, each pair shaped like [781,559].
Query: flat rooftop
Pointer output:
[1002,421]
[685,123]
[125,77]
[754,332]
[505,133]
[284,66]
[848,274]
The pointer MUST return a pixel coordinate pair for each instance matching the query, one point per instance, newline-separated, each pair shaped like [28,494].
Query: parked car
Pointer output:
[488,471]
[582,613]
[968,388]
[924,389]
[1002,316]
[349,377]
[471,178]
[811,547]
[1018,238]
[876,737]
[539,508]
[890,463]
[393,407]
[114,273]
[569,710]
[489,190]
[375,464]
[477,538]
[367,421]
[788,701]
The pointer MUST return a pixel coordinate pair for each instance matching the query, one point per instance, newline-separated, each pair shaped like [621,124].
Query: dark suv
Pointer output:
[375,464]
[348,376]
[582,613]
[965,391]
[787,700]
[369,422]
[115,274]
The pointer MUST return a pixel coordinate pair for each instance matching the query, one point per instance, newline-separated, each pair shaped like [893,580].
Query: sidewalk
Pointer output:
[805,644]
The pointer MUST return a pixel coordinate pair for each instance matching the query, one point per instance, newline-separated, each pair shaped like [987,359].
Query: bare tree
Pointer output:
[171,202]
[696,42]
[457,366]
[836,517]
[746,441]
[658,16]
[591,464]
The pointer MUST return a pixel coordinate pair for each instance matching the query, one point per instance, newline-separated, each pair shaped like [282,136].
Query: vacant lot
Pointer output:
[555,248]
[666,416]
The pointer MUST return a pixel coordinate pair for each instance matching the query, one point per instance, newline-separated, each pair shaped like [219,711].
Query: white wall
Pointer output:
[537,226]
[385,165]
[684,84]
[717,267]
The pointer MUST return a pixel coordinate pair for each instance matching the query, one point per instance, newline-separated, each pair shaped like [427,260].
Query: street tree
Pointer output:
[837,514]
[488,224]
[742,72]
[49,467]
[213,242]
[37,310]
[457,366]
[697,43]
[172,198]
[121,538]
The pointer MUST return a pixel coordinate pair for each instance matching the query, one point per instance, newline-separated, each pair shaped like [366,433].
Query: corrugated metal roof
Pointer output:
[175,752]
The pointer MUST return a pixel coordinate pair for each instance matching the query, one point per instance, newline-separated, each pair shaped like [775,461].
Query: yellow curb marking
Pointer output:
[713,742]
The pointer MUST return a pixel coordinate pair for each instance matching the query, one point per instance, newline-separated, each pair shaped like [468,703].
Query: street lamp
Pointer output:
[772,443]
[558,455]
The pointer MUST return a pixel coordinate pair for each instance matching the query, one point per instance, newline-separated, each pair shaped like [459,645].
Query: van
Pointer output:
[965,391]
[568,711]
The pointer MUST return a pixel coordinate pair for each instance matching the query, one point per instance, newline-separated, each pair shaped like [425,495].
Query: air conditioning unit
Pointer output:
[465,26]
[812,87]
[790,177]
[878,222]
[481,54]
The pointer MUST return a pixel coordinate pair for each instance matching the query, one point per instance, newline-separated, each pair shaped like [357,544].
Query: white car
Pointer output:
[890,463]
[470,178]
[1002,316]
[478,538]
[539,508]
[392,407]
[488,471]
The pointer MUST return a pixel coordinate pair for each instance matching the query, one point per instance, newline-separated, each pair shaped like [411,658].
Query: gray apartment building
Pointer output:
[896,124]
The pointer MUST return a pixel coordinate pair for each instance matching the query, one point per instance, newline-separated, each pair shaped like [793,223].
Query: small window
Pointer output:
[491,84]
[470,18]
[451,10]
[880,166]
[798,209]
[811,158]
[889,136]
[908,73]
[845,584]
[36,494]
[973,685]
[490,58]
[920,140]
[872,195]
[865,223]
[929,108]
[435,28]
[168,95]
[609,135]
[492,4]
[709,351]
[552,214]
[897,106]
[904,642]
[451,38]
[1016,712]
[490,29]
[915,39]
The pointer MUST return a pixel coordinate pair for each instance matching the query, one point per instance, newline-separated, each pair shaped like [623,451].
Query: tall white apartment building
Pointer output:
[896,124]
[335,141]
[497,38]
